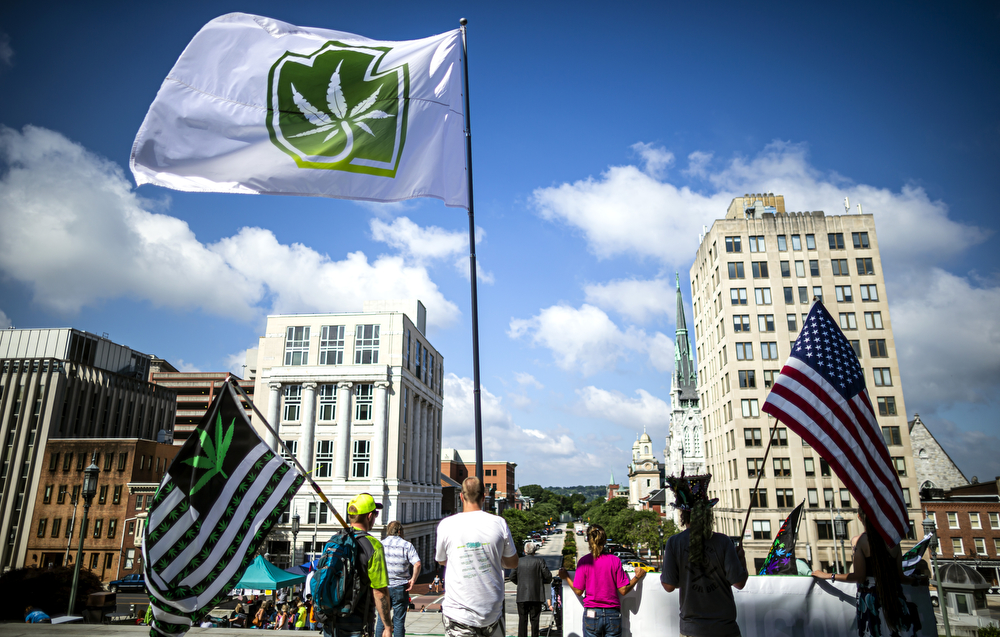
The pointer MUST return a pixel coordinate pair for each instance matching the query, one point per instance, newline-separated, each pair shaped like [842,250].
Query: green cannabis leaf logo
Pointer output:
[215,453]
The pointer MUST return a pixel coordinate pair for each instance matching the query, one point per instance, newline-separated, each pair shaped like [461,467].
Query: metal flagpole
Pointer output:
[760,474]
[322,496]
[476,397]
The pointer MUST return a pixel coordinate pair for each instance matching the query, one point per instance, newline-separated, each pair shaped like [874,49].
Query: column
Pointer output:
[436,439]
[428,441]
[379,446]
[414,437]
[273,411]
[307,442]
[343,459]
[421,465]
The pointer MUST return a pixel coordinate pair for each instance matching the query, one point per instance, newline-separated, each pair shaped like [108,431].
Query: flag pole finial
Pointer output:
[463,21]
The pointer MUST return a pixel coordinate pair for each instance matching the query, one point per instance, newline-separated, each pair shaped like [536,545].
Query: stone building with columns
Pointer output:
[357,398]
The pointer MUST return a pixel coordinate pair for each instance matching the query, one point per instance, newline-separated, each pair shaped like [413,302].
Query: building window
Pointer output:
[873,320]
[102,496]
[738,296]
[796,242]
[868,292]
[47,498]
[952,520]
[784,498]
[824,468]
[56,523]
[882,376]
[836,240]
[750,409]
[138,502]
[792,321]
[362,456]
[824,529]
[844,294]
[900,463]
[108,459]
[324,459]
[769,351]
[995,521]
[751,437]
[810,466]
[748,379]
[789,296]
[755,466]
[744,351]
[892,437]
[292,451]
[733,244]
[41,527]
[98,526]
[848,321]
[782,467]
[112,527]
[759,269]
[957,549]
[856,346]
[61,496]
[845,499]
[757,243]
[366,339]
[331,345]
[780,437]
[782,243]
[293,402]
[741,322]
[974,521]
[786,270]
[877,348]
[317,510]
[297,346]
[67,461]
[813,267]
[828,498]
[53,461]
[363,400]
[80,460]
[762,296]
[129,559]
[762,529]
[736,271]
[95,560]
[865,266]
[860,239]
[800,269]
[980,543]
[813,497]
[810,242]
[327,402]
[906,497]
[886,406]
[818,292]
[758,497]
[839,267]
[769,376]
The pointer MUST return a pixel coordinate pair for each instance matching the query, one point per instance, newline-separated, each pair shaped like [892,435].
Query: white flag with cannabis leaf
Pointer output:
[254,105]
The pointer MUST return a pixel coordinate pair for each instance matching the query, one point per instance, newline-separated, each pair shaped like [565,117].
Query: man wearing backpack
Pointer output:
[476,546]
[373,596]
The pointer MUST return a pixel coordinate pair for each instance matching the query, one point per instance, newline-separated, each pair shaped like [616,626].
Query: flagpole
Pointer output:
[231,381]
[476,397]
[760,474]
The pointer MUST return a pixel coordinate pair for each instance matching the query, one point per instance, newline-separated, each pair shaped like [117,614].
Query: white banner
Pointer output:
[254,105]
[772,606]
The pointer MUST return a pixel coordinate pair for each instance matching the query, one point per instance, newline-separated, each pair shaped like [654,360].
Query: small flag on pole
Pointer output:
[222,494]
[914,556]
[781,558]
[821,395]
[254,105]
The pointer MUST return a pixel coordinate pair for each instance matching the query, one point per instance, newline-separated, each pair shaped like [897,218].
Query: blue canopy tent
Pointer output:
[303,569]
[263,575]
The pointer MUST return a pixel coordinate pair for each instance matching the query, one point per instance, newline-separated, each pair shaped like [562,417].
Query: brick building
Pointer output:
[195,393]
[458,465]
[968,525]
[129,467]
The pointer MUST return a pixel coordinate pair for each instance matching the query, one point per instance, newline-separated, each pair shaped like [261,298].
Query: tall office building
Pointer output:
[357,397]
[64,383]
[753,280]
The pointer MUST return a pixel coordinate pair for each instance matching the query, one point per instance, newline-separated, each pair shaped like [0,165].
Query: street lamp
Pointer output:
[89,489]
[295,535]
[931,528]
[840,532]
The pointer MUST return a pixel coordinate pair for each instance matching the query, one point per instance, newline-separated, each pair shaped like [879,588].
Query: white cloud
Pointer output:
[698,164]
[645,411]
[638,300]
[6,52]
[5,322]
[420,244]
[525,379]
[234,363]
[547,457]
[186,367]
[72,228]
[655,160]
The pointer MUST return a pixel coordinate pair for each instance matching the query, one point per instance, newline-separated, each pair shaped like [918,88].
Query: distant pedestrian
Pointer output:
[34,615]
[436,584]
[403,564]
[599,580]
[531,576]
[555,602]
[301,616]
[704,565]
[475,546]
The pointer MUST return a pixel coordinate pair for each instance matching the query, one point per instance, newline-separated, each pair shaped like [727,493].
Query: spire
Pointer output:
[612,477]
[685,376]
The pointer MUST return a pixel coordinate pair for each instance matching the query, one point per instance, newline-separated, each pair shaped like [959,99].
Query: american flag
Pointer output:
[821,395]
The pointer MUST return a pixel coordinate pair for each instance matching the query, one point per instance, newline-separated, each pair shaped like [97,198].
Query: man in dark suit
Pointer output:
[531,577]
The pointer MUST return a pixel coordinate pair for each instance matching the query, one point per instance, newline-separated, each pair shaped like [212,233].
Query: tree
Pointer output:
[533,491]
[521,524]
[47,589]
[545,511]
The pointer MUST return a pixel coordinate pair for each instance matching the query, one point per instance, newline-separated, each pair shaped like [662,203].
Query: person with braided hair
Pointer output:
[705,566]
[878,572]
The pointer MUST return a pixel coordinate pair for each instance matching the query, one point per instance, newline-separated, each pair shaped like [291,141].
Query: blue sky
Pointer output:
[603,139]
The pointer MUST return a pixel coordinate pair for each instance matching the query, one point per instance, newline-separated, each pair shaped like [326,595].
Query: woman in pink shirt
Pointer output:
[599,580]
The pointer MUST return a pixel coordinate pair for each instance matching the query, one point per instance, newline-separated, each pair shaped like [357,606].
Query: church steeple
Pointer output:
[685,375]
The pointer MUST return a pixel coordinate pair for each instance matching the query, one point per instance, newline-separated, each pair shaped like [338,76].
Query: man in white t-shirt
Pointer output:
[475,546]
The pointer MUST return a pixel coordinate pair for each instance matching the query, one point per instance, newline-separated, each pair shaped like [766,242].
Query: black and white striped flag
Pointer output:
[221,496]
[914,556]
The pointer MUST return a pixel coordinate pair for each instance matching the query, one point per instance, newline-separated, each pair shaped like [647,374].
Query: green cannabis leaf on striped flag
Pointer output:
[215,453]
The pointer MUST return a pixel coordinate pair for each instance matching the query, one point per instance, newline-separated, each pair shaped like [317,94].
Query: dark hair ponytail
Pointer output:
[700,529]
[885,570]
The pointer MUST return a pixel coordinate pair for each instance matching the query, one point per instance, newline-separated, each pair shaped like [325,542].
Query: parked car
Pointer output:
[134,582]
[636,565]
[579,531]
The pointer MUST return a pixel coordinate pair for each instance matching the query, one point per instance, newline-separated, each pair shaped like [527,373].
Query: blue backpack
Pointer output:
[336,586]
